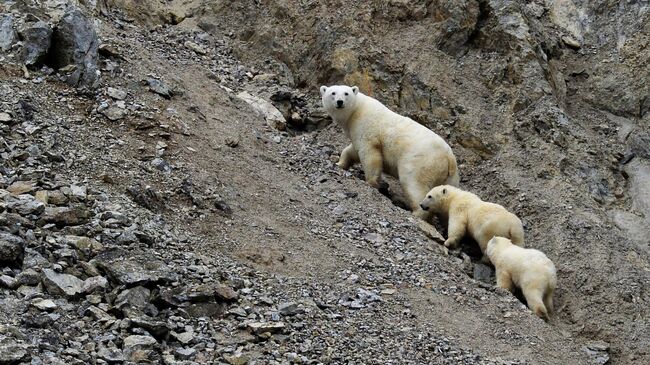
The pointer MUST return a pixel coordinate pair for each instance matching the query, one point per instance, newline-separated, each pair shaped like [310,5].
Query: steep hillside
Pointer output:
[150,214]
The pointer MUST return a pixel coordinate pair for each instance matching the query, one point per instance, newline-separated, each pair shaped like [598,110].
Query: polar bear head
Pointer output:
[437,199]
[338,98]
[496,244]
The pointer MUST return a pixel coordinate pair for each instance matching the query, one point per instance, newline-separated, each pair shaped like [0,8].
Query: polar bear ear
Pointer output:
[323,89]
[355,90]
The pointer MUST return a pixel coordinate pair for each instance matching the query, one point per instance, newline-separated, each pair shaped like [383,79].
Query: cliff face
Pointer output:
[192,229]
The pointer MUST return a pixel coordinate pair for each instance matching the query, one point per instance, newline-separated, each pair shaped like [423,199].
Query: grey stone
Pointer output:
[136,341]
[61,284]
[114,113]
[290,309]
[263,327]
[36,40]
[94,283]
[159,88]
[185,353]
[13,352]
[24,204]
[12,250]
[8,34]
[482,272]
[116,94]
[8,282]
[184,337]
[158,329]
[133,302]
[128,269]
[75,42]
[226,293]
[46,305]
[64,216]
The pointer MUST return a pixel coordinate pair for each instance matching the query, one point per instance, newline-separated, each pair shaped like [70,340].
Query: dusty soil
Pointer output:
[558,135]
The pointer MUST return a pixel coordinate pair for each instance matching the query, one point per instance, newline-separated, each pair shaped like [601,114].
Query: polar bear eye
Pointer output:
[346,94]
[333,92]
[429,196]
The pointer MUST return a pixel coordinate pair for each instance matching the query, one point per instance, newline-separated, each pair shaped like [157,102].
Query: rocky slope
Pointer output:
[157,208]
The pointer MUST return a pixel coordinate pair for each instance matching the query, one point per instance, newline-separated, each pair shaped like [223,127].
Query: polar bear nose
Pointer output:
[339,103]
[424,207]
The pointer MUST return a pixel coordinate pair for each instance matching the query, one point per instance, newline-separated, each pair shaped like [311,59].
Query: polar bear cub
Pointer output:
[467,213]
[525,268]
[384,141]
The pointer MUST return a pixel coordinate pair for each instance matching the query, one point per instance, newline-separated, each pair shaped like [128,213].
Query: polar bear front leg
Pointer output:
[504,280]
[349,157]
[372,162]
[455,231]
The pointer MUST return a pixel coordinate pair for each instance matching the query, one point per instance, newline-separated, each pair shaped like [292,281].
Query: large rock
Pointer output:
[24,204]
[273,116]
[75,42]
[126,268]
[65,216]
[36,42]
[8,35]
[61,284]
[12,250]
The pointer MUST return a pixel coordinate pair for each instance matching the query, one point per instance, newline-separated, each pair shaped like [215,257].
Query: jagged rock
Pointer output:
[184,337]
[20,187]
[64,216]
[146,196]
[266,109]
[195,47]
[116,94]
[24,204]
[61,284]
[46,305]
[139,342]
[75,42]
[129,269]
[290,309]
[8,34]
[12,250]
[8,282]
[13,352]
[186,353]
[158,329]
[226,293]
[258,328]
[159,88]
[134,301]
[36,40]
[94,283]
[111,355]
[114,113]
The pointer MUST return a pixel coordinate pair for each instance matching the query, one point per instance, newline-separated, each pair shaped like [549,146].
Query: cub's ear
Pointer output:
[323,89]
[444,191]
[355,90]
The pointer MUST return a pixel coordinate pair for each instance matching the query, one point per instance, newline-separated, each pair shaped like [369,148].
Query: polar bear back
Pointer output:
[400,136]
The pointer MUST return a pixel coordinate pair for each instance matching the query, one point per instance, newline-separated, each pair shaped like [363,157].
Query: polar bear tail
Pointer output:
[452,172]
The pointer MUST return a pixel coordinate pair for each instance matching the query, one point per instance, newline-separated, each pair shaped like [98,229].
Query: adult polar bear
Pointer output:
[384,141]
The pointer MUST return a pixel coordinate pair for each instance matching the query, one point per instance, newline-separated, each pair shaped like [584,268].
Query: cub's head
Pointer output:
[496,244]
[339,97]
[437,198]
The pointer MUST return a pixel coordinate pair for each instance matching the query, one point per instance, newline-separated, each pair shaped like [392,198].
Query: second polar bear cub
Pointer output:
[384,141]
[467,213]
[525,268]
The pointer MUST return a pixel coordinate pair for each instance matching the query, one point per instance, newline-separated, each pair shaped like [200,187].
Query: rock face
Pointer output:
[36,40]
[75,42]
